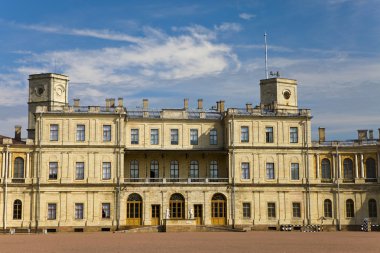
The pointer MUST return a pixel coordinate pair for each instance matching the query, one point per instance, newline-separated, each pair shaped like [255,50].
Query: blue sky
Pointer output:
[169,50]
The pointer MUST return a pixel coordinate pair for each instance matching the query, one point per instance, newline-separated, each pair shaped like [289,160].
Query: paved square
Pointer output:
[218,242]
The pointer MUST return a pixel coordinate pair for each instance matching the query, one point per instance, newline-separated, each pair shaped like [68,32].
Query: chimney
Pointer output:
[107,102]
[200,104]
[370,134]
[18,133]
[112,102]
[322,134]
[248,107]
[76,102]
[379,133]
[218,106]
[221,105]
[120,102]
[362,135]
[145,104]
[186,103]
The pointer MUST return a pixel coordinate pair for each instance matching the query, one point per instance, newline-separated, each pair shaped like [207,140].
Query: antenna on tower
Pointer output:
[266,55]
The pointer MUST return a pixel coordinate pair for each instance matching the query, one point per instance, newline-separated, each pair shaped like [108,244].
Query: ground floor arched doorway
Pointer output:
[134,210]
[218,209]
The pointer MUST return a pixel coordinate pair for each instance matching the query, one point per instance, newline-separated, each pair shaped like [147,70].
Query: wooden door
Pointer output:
[198,214]
[218,210]
[155,215]
[134,213]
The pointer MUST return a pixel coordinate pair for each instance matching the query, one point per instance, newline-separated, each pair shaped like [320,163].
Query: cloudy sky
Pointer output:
[169,50]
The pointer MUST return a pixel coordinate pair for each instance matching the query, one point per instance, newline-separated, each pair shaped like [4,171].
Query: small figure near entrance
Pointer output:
[191,213]
[167,213]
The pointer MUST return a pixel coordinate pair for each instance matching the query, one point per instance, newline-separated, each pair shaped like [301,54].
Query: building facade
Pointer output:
[109,168]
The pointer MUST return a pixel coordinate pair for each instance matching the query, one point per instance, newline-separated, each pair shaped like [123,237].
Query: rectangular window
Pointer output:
[245,170]
[193,136]
[270,170]
[52,211]
[295,171]
[134,136]
[79,171]
[213,137]
[271,210]
[296,210]
[134,170]
[106,171]
[247,210]
[78,211]
[174,171]
[294,135]
[81,132]
[244,134]
[53,170]
[174,136]
[269,134]
[106,210]
[54,132]
[106,132]
[154,136]
[194,169]
[214,169]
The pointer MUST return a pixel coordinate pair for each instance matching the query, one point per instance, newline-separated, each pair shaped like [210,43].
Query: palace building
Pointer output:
[92,168]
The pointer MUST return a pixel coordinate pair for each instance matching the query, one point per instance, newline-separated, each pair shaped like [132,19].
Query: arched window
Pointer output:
[326,169]
[370,166]
[350,212]
[134,169]
[348,171]
[372,208]
[154,169]
[327,208]
[177,206]
[18,170]
[17,209]
[194,169]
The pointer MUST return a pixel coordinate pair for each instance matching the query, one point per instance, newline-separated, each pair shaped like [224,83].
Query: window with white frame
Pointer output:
[271,210]
[106,170]
[295,171]
[106,132]
[81,132]
[79,171]
[134,136]
[174,136]
[213,137]
[154,136]
[244,134]
[106,210]
[294,135]
[54,129]
[53,170]
[296,210]
[269,134]
[245,171]
[134,169]
[246,210]
[52,211]
[270,170]
[79,211]
[193,136]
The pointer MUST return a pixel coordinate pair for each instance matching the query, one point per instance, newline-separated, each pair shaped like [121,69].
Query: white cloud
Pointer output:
[246,16]
[235,27]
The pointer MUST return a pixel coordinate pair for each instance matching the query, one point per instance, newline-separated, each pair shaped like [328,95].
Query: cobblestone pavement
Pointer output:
[219,242]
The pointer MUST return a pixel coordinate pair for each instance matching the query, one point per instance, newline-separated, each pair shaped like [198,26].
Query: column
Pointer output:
[339,166]
[3,165]
[356,166]
[333,166]
[317,161]
[27,165]
[9,165]
[361,166]
[378,166]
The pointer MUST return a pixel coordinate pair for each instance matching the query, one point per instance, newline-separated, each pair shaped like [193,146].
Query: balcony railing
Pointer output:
[269,112]
[175,180]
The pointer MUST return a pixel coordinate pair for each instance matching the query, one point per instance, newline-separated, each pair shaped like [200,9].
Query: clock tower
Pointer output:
[48,90]
[278,93]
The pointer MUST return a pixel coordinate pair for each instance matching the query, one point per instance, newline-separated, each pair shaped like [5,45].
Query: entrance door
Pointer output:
[134,212]
[155,215]
[218,210]
[198,211]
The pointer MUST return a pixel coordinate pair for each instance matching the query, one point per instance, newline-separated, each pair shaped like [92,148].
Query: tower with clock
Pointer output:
[48,90]
[278,93]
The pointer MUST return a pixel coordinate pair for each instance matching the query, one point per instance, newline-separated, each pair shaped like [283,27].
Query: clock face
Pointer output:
[59,90]
[39,90]
[287,94]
